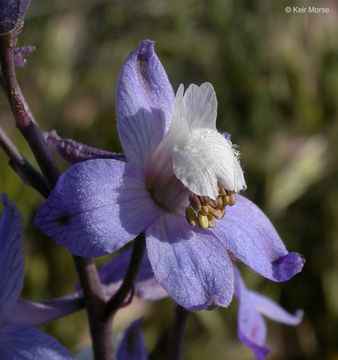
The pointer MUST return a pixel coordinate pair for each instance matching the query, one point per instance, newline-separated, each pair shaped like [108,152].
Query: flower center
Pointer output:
[203,210]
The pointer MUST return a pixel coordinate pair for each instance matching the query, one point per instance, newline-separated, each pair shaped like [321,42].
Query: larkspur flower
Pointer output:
[127,346]
[132,346]
[17,339]
[251,326]
[180,172]
[146,285]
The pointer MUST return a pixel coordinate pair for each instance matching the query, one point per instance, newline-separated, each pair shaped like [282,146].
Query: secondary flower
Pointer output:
[132,346]
[180,173]
[146,285]
[252,305]
[251,326]
[17,340]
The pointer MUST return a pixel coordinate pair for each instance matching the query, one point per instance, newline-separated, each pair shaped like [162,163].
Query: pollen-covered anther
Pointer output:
[190,216]
[203,221]
[211,221]
[207,210]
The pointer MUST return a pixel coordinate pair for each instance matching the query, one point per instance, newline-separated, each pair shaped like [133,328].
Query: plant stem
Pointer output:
[24,119]
[100,323]
[22,167]
[179,327]
[128,282]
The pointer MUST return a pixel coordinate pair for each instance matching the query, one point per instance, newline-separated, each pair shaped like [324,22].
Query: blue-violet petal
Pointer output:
[144,101]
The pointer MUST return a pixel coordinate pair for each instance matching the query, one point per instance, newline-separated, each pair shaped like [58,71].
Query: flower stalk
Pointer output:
[24,119]
[100,325]
[181,317]
[21,166]
[128,282]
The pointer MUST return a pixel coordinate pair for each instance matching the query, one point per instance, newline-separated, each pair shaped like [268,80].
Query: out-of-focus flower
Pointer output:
[132,346]
[251,325]
[128,346]
[146,284]
[11,12]
[180,172]
[20,54]
[252,305]
[18,341]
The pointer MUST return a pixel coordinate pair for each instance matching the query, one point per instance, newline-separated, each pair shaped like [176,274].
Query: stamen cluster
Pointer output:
[203,210]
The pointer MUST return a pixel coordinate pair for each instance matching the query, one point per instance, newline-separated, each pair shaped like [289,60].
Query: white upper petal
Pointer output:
[202,158]
[179,130]
[201,106]
[205,160]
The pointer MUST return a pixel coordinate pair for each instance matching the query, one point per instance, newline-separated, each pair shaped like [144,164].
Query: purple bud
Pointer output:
[20,54]
[11,12]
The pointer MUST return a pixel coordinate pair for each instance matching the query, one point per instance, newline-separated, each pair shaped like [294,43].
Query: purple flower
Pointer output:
[251,326]
[146,285]
[20,54]
[18,341]
[180,173]
[11,12]
[132,346]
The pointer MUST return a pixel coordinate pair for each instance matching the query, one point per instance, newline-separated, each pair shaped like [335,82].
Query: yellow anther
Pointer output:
[204,210]
[219,213]
[222,213]
[190,216]
[226,199]
[211,221]
[222,191]
[219,203]
[213,203]
[205,200]
[232,199]
[212,211]
[195,202]
[203,221]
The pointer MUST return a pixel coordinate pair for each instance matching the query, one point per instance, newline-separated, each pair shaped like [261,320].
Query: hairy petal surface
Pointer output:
[132,346]
[205,160]
[27,343]
[146,284]
[11,256]
[144,101]
[251,328]
[248,233]
[40,313]
[192,266]
[96,207]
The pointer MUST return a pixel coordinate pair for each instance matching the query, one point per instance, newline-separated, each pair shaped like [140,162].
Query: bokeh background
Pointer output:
[276,79]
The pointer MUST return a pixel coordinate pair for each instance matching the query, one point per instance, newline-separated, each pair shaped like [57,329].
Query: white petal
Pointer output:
[179,130]
[205,160]
[179,133]
[201,106]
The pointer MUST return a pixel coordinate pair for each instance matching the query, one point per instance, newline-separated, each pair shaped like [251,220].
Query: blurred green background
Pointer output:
[276,79]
